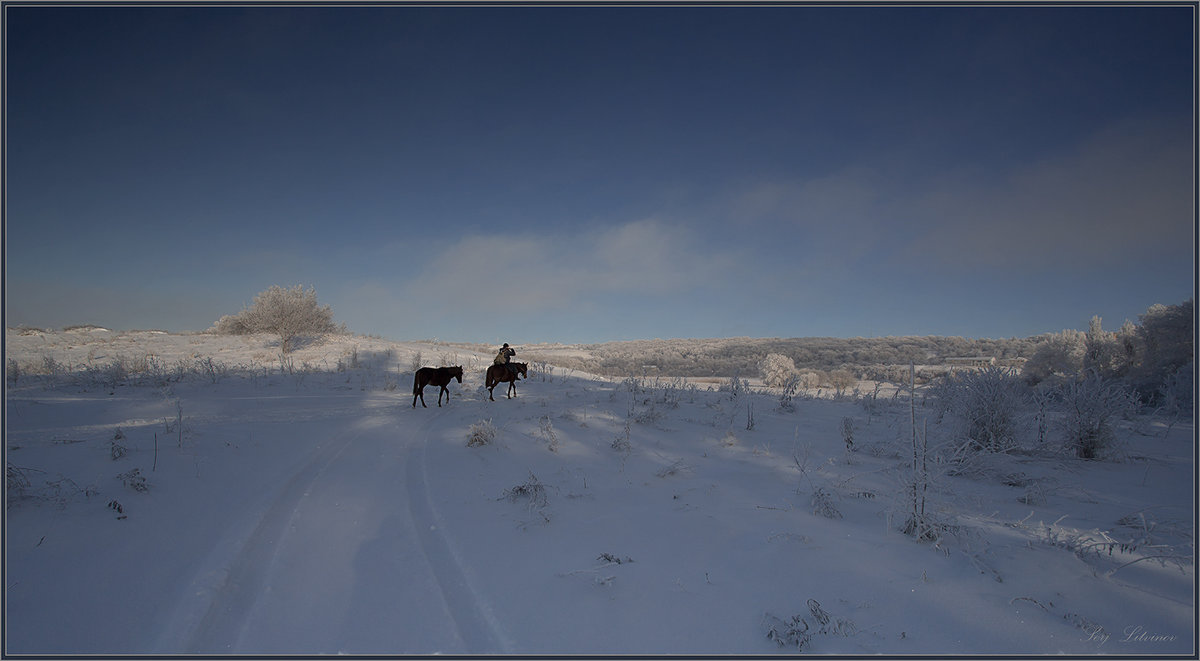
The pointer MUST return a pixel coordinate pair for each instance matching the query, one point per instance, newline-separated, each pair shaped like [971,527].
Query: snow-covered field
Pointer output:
[163,503]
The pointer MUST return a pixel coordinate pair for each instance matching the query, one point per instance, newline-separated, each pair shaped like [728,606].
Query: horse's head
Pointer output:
[521,369]
[456,372]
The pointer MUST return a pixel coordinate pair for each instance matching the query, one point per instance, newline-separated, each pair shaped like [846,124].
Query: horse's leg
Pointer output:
[421,394]
[443,390]
[512,387]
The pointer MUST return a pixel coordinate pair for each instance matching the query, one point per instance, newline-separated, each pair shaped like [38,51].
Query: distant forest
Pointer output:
[1155,357]
[877,358]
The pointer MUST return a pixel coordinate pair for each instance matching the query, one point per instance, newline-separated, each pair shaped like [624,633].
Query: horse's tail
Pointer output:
[488,379]
[417,382]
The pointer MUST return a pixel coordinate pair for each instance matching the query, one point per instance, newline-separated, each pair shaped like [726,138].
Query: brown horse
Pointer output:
[497,374]
[434,376]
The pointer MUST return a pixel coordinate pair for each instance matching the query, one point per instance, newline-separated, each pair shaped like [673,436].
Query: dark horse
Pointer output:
[497,374]
[434,376]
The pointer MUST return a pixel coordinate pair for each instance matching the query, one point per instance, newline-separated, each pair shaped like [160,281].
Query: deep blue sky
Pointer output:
[579,174]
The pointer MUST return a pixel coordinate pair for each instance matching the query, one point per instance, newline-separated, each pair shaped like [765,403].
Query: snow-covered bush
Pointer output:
[790,388]
[842,380]
[1176,394]
[1091,405]
[735,386]
[810,380]
[776,370]
[288,313]
[985,407]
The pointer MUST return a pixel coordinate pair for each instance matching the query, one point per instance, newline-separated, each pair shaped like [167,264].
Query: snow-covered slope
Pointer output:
[250,504]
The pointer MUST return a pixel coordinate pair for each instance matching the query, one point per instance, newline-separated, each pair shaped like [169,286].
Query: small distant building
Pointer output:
[973,361]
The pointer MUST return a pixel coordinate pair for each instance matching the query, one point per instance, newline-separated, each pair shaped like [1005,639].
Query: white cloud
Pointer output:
[561,272]
[1124,193]
[851,196]
[829,224]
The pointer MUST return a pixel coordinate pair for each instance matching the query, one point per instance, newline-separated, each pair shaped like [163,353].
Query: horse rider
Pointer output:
[504,355]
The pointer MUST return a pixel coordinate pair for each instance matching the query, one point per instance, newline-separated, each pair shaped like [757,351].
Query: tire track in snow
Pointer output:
[234,604]
[473,617]
[223,624]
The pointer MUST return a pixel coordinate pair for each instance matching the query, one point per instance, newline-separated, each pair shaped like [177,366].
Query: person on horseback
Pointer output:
[505,354]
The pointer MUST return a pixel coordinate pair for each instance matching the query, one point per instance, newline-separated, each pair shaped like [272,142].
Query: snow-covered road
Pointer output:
[349,552]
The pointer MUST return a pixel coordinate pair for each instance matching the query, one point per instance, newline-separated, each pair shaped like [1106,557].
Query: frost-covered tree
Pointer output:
[1102,350]
[1165,343]
[289,313]
[1058,357]
[777,369]
[1127,343]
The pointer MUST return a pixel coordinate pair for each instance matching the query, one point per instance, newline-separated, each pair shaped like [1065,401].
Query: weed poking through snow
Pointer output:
[546,431]
[481,433]
[134,480]
[118,450]
[532,490]
[798,632]
[823,504]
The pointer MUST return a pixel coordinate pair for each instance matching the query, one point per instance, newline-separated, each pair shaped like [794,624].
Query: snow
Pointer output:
[306,507]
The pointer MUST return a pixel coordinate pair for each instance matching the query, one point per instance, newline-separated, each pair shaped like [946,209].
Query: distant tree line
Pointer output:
[725,357]
[1090,380]
[1155,357]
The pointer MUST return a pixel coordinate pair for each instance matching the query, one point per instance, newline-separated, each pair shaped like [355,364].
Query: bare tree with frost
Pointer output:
[289,313]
